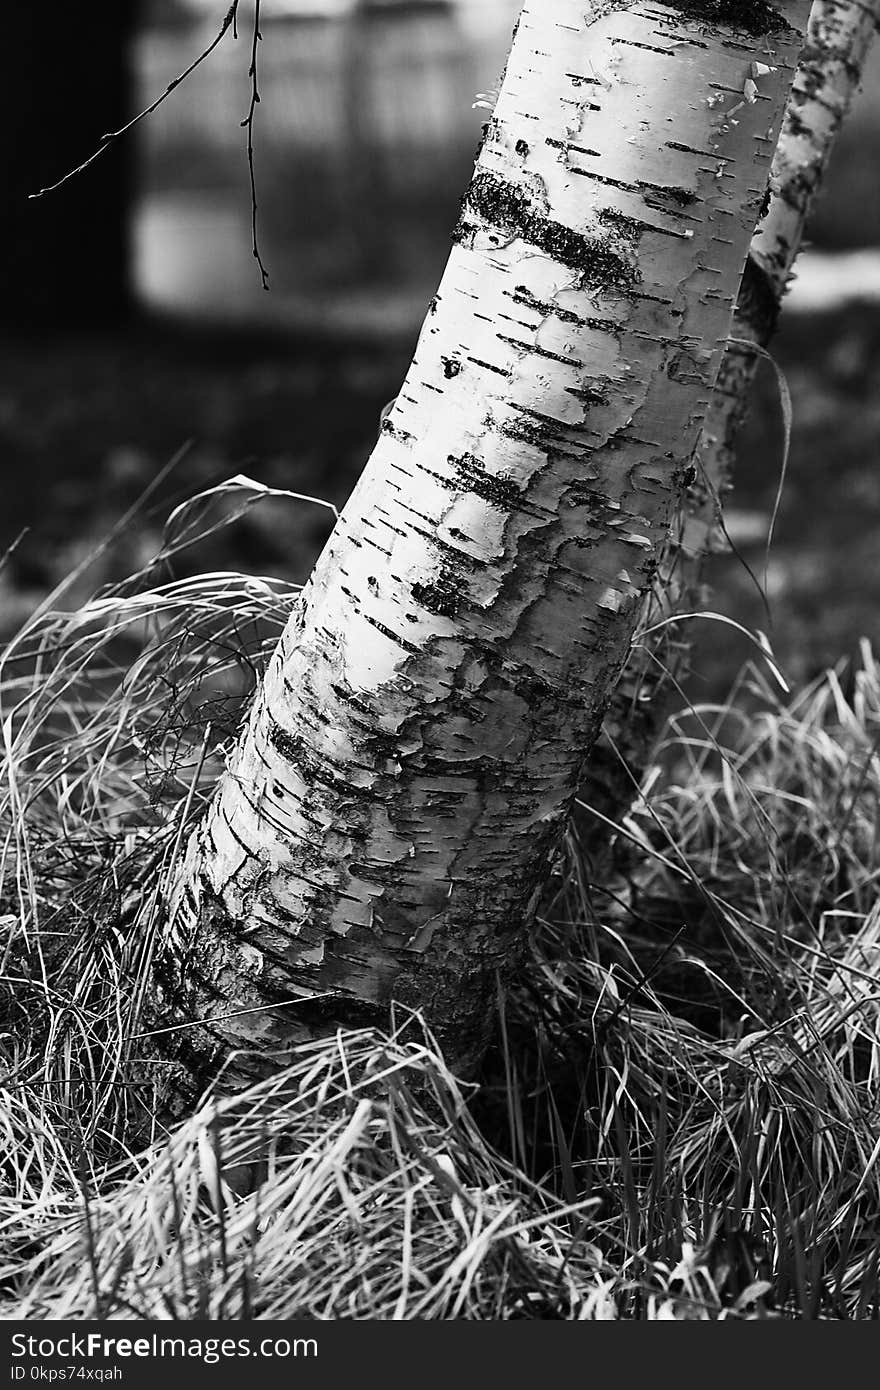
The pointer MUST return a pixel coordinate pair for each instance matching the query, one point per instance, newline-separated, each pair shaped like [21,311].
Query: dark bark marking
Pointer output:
[690,149]
[648,47]
[442,595]
[634,225]
[523,295]
[568,146]
[459,557]
[533,348]
[589,395]
[392,636]
[489,367]
[510,208]
[496,489]
[749,16]
[580,78]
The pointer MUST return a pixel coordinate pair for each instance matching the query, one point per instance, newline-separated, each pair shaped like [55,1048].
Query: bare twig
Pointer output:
[248,125]
[229,22]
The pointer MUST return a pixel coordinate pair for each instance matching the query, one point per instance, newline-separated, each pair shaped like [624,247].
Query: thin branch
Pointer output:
[112,135]
[248,125]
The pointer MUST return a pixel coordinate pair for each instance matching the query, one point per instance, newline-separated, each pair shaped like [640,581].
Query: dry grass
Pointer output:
[678,1118]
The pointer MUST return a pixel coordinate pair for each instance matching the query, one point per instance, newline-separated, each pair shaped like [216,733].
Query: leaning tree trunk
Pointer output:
[829,72]
[399,792]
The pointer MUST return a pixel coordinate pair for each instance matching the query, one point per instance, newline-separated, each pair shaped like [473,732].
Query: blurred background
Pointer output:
[135,319]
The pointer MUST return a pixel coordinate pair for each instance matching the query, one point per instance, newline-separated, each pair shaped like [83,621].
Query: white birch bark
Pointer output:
[390,812]
[828,75]
[839,36]
[830,69]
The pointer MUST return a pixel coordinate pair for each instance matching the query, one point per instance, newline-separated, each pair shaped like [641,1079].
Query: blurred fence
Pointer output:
[365,135]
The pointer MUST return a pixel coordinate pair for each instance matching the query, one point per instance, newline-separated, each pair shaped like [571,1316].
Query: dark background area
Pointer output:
[136,319]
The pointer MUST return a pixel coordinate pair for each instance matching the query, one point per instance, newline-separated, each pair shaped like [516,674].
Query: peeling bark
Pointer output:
[398,794]
[828,75]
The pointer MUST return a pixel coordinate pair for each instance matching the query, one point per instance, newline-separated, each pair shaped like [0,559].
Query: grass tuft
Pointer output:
[678,1118]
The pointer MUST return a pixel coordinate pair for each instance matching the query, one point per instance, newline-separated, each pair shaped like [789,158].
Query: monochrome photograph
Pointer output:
[439,673]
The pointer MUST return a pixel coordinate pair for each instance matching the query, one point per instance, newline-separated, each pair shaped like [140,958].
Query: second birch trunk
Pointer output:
[839,36]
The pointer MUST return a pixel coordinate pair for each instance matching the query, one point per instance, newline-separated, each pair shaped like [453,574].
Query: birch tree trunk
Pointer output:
[828,75]
[399,792]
